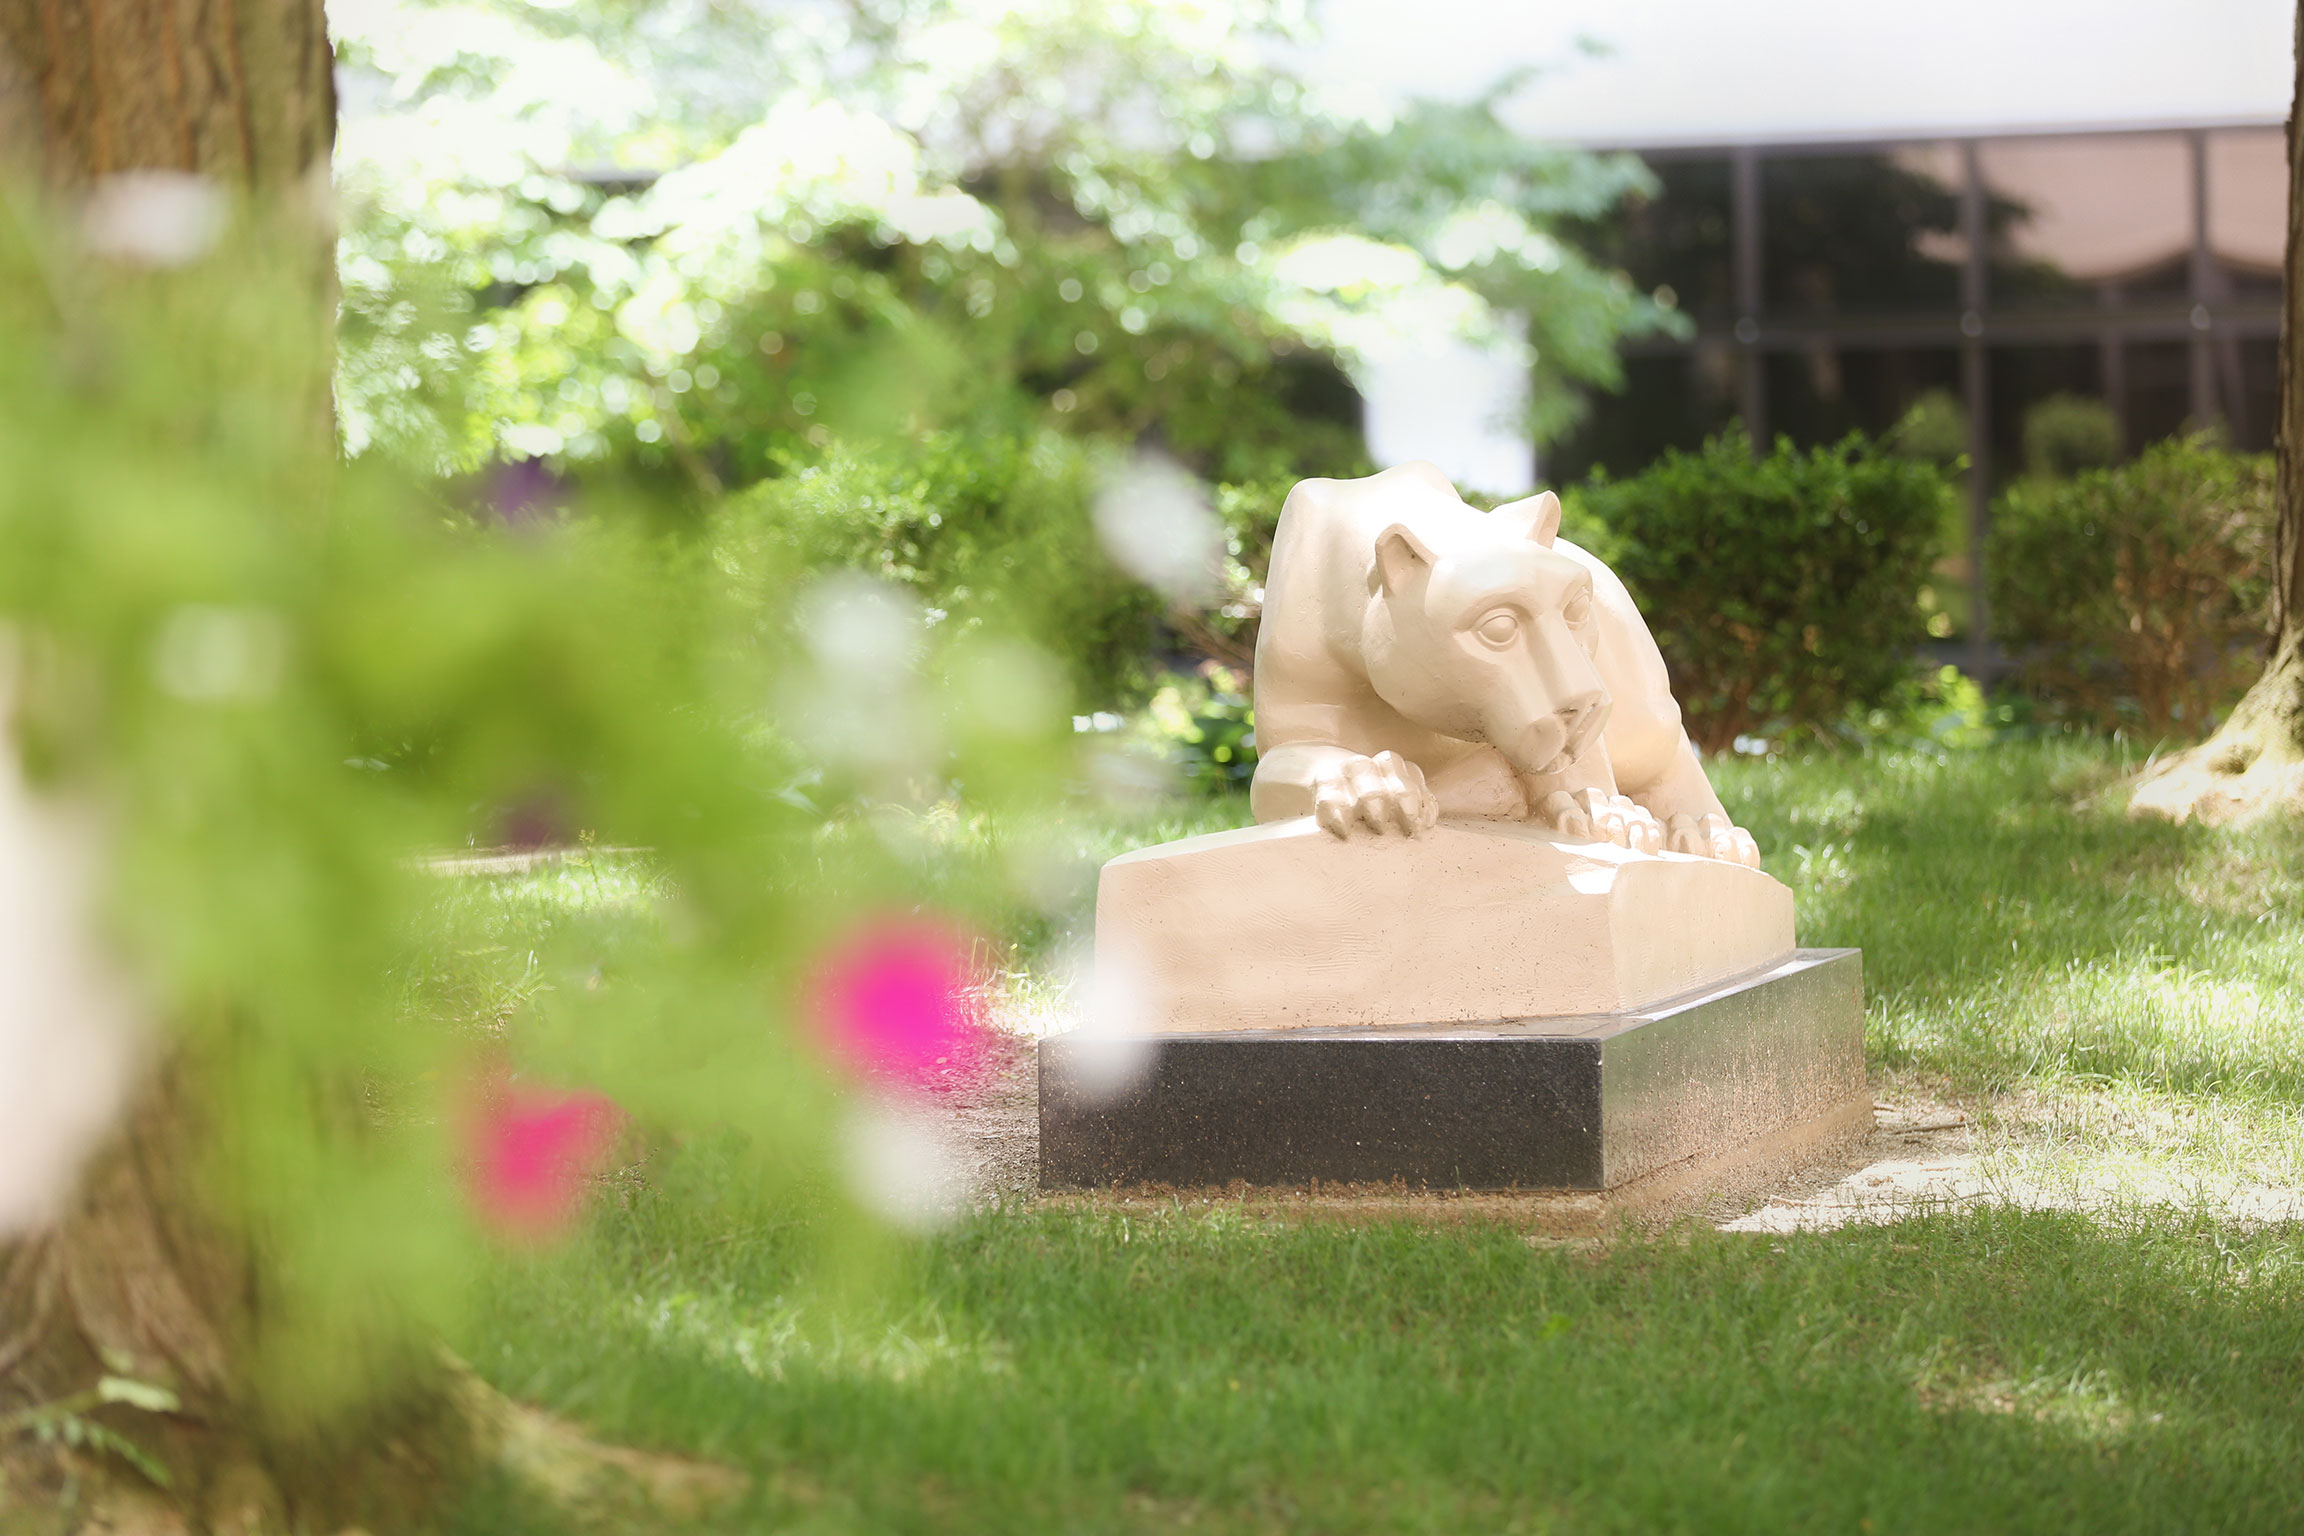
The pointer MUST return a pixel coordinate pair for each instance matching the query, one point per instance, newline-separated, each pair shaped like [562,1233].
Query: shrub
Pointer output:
[2065,434]
[1784,590]
[2138,594]
[988,531]
[1935,428]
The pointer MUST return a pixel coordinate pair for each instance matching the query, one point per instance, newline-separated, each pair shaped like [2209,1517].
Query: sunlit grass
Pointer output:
[771,1337]
[2017,928]
[1074,1371]
[496,940]
[2106,1349]
[2121,1001]
[2099,1147]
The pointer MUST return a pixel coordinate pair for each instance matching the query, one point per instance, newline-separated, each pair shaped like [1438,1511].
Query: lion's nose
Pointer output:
[1580,720]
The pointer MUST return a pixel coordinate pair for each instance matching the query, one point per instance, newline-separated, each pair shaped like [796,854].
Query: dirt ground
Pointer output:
[994,1123]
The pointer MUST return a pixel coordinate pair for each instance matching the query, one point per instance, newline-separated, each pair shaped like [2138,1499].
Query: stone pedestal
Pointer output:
[1284,926]
[1764,1064]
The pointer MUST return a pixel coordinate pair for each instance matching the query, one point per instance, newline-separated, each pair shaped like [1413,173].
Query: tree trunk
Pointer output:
[137,1282]
[132,1283]
[240,91]
[2254,765]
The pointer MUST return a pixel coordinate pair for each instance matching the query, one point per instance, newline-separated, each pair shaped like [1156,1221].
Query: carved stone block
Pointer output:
[1283,926]
[1677,1096]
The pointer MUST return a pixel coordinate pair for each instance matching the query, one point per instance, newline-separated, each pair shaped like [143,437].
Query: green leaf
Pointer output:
[138,1394]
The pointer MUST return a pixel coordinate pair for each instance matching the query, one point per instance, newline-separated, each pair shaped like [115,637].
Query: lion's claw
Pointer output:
[1381,794]
[1712,837]
[1596,816]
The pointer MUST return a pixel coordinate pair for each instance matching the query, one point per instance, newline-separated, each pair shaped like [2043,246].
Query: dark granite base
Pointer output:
[1542,1104]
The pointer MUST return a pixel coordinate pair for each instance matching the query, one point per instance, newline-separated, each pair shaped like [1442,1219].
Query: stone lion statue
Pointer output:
[1419,657]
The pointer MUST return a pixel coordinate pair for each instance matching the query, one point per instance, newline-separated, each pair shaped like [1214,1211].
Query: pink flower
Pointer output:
[533,1150]
[897,1000]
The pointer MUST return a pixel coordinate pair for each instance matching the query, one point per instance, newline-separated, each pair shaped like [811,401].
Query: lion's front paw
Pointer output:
[1380,794]
[1596,816]
[1712,837]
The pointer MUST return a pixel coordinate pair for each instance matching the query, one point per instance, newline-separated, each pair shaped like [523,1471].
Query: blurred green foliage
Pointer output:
[897,283]
[2138,595]
[1205,722]
[284,685]
[681,237]
[1934,427]
[1783,590]
[989,534]
[2065,434]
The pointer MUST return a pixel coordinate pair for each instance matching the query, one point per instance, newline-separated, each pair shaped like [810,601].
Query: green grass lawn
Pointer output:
[2103,992]
[2132,992]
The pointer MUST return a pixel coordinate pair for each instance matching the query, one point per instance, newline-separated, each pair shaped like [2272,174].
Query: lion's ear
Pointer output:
[1537,517]
[1400,555]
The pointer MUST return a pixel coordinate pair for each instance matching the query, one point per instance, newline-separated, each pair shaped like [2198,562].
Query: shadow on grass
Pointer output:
[1081,1372]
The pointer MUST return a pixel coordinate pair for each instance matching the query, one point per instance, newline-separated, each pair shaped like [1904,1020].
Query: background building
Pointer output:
[1860,205]
[1831,284]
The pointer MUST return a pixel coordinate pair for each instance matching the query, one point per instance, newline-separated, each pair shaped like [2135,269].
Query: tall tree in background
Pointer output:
[2255,763]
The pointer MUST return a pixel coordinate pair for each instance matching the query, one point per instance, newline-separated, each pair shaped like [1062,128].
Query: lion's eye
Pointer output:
[1499,628]
[1579,608]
